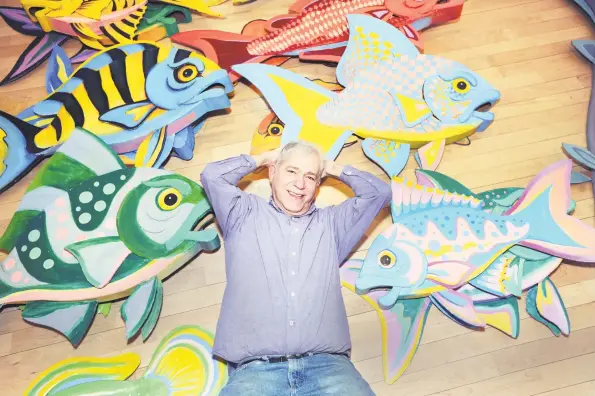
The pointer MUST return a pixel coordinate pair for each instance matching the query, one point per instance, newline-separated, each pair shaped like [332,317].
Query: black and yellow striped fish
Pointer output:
[135,97]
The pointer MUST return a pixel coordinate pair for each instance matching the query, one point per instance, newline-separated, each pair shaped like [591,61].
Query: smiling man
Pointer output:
[283,326]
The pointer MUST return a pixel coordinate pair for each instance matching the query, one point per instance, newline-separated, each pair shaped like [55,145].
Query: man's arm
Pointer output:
[219,180]
[352,217]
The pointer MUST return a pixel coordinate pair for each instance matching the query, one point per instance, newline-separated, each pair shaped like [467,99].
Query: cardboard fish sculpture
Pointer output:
[314,30]
[91,230]
[123,22]
[182,364]
[471,256]
[395,99]
[145,100]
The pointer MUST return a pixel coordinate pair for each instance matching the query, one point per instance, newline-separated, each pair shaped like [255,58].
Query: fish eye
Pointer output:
[275,129]
[169,199]
[186,73]
[386,259]
[460,85]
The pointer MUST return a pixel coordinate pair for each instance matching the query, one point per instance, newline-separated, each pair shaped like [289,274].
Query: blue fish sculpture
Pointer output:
[144,100]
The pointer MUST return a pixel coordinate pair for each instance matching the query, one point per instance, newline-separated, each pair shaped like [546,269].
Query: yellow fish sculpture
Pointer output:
[99,24]
[395,98]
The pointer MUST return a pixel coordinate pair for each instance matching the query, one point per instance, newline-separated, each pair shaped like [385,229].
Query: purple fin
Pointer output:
[18,20]
[83,54]
[34,55]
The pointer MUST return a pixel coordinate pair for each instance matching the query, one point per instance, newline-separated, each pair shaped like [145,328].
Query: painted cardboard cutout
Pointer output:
[182,364]
[471,256]
[395,98]
[314,30]
[90,230]
[143,99]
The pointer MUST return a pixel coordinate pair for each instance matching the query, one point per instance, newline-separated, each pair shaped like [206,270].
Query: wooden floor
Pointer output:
[523,48]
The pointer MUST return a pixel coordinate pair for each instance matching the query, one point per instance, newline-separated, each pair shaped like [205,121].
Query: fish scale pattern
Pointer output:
[319,24]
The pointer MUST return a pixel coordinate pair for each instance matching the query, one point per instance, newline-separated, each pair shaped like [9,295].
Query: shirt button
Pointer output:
[292,294]
[291,322]
[295,230]
[293,253]
[293,273]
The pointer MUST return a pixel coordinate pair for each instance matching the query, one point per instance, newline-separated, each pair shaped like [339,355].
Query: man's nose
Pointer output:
[299,182]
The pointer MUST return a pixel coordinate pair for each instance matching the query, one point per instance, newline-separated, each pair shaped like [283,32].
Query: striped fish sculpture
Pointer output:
[98,24]
[314,30]
[394,98]
[464,255]
[142,99]
[158,22]
[90,230]
[182,364]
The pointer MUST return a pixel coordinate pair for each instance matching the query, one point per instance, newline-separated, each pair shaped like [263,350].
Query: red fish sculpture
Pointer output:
[315,30]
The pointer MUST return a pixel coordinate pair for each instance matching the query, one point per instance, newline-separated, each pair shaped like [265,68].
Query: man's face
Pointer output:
[294,182]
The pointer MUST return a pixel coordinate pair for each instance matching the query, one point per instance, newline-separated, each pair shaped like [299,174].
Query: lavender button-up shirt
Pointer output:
[283,293]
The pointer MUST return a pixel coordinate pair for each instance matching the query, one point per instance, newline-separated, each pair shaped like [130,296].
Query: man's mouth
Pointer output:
[295,195]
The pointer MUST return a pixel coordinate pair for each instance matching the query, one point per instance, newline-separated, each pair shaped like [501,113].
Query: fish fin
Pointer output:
[429,155]
[402,325]
[433,179]
[92,9]
[130,115]
[224,48]
[543,206]
[104,309]
[458,307]
[58,71]
[408,196]
[501,314]
[75,371]
[365,32]
[581,155]
[151,321]
[82,55]
[81,157]
[545,305]
[154,149]
[183,145]
[390,156]
[413,111]
[36,53]
[87,36]
[505,270]
[586,49]
[579,178]
[19,21]
[182,358]
[18,224]
[138,307]
[99,258]
[18,153]
[449,273]
[295,100]
[72,319]
[123,31]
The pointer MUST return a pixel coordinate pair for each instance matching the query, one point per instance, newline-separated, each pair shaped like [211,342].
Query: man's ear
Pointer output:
[272,170]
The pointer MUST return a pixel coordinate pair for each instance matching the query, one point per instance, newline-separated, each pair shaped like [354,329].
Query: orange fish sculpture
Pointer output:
[315,30]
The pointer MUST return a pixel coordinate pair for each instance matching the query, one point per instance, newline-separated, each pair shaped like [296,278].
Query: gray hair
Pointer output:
[303,147]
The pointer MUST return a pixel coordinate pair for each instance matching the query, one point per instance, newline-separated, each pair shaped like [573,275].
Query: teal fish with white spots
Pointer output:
[90,230]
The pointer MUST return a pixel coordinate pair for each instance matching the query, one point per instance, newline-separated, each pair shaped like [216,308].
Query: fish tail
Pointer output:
[544,206]
[18,152]
[295,100]
[75,373]
[183,360]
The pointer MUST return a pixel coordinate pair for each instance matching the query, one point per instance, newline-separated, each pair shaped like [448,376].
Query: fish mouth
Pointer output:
[364,284]
[481,110]
[217,84]
[196,225]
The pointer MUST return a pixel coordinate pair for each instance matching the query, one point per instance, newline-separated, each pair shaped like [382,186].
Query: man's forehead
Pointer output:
[306,162]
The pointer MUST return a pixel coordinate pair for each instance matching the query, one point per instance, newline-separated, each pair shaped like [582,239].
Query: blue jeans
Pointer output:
[315,375]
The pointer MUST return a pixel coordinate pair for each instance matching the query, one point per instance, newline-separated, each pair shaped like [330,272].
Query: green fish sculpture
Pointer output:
[89,230]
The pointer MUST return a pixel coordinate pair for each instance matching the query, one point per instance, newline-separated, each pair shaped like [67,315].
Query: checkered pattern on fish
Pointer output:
[322,23]
[367,101]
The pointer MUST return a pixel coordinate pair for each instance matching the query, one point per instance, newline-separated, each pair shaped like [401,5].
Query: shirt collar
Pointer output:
[278,209]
